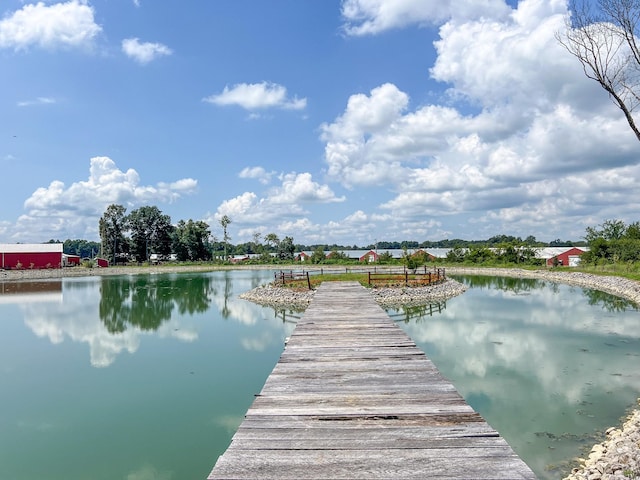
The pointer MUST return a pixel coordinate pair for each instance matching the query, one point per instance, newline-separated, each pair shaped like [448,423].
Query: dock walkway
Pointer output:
[353,397]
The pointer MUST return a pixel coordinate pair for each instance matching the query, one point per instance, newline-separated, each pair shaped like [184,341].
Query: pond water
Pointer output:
[550,366]
[133,378]
[147,377]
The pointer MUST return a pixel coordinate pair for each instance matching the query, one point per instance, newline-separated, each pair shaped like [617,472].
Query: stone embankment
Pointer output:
[276,296]
[409,296]
[617,458]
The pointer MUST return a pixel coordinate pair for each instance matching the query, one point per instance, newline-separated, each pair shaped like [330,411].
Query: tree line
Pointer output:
[146,231]
[612,242]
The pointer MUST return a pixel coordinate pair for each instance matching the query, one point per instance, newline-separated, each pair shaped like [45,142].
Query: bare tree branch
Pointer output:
[605,43]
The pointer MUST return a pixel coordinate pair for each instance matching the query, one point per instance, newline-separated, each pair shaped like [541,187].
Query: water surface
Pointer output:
[147,377]
[548,365]
[134,378]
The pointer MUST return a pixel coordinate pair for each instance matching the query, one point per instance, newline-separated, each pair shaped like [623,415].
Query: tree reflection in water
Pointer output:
[146,301]
[517,285]
[522,286]
[609,302]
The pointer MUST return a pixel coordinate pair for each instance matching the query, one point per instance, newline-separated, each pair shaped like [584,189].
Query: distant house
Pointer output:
[369,257]
[30,255]
[70,260]
[566,256]
[303,257]
[156,258]
[102,262]
[420,253]
[239,258]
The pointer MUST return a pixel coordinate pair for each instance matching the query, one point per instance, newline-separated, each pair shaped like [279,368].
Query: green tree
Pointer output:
[286,249]
[190,240]
[613,229]
[151,232]
[224,223]
[385,258]
[318,255]
[633,231]
[609,230]
[112,226]
[598,251]
[257,247]
[479,254]
[456,255]
[409,261]
[82,248]
[337,255]
[272,241]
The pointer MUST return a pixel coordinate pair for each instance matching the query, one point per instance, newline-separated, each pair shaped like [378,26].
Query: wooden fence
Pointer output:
[284,278]
[408,278]
[391,276]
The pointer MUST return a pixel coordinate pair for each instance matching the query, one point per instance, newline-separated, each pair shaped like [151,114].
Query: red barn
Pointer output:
[369,257]
[102,262]
[568,258]
[70,260]
[30,255]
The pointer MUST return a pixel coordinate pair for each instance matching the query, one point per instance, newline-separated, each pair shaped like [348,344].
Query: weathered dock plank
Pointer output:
[353,397]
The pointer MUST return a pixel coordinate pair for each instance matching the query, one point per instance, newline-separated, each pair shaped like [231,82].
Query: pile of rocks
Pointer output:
[617,458]
[277,296]
[410,296]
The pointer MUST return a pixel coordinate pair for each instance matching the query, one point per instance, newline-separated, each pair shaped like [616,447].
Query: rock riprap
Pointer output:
[617,458]
[277,296]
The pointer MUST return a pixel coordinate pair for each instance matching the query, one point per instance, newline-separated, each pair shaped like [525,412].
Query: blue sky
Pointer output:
[329,121]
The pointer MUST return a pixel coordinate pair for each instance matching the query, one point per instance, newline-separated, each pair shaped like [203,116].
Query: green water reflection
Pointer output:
[147,377]
[549,366]
[131,377]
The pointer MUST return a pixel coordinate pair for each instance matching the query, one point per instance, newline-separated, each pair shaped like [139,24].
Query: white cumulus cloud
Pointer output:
[144,52]
[369,17]
[257,96]
[60,211]
[257,173]
[299,188]
[59,25]
[512,145]
[281,203]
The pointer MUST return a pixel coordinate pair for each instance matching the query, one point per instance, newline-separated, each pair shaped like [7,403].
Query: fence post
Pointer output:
[369,274]
[406,277]
[308,281]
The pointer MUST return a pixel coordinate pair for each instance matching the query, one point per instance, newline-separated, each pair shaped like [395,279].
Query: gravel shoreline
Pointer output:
[616,458]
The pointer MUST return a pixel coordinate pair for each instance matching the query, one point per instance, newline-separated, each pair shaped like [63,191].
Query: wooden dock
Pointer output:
[353,397]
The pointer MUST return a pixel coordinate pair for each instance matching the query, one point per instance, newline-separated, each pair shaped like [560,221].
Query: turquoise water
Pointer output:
[549,366]
[130,378]
[147,377]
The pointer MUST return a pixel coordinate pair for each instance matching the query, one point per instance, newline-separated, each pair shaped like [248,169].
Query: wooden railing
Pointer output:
[285,278]
[419,277]
[408,278]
